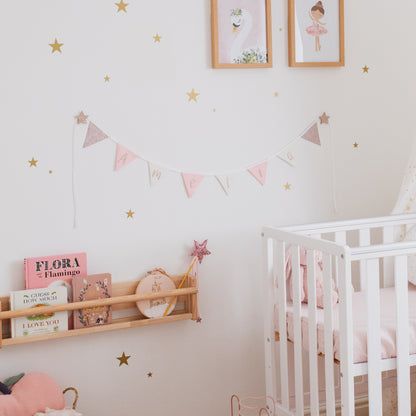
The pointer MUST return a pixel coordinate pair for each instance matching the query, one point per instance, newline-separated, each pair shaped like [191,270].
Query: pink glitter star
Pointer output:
[200,250]
[81,118]
[199,320]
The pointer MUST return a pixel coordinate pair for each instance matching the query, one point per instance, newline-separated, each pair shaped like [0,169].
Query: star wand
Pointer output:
[181,284]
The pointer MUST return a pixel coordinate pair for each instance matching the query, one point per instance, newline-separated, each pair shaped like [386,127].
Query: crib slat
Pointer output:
[313,350]
[402,335]
[388,265]
[373,338]
[340,238]
[269,251]
[281,274]
[364,237]
[329,336]
[346,336]
[297,329]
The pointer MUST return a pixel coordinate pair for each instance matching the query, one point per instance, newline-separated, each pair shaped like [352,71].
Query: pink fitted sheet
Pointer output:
[359,309]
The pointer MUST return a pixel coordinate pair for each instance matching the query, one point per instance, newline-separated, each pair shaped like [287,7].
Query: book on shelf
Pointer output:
[43,323]
[92,287]
[55,271]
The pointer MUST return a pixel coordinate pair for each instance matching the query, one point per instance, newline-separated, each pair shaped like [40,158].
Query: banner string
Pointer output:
[74,200]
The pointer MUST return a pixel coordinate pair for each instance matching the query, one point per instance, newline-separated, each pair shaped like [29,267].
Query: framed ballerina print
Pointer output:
[241,34]
[316,33]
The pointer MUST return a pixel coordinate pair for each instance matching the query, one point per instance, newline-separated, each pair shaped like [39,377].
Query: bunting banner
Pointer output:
[259,172]
[123,157]
[225,183]
[288,155]
[312,134]
[191,182]
[156,173]
[94,135]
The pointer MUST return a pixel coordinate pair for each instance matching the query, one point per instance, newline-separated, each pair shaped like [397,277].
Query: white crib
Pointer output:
[350,252]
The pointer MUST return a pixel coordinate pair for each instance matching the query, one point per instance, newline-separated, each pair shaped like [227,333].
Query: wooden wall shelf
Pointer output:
[124,299]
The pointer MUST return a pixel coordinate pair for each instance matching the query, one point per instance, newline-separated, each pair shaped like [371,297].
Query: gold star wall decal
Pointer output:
[149,374]
[121,6]
[192,95]
[130,213]
[33,162]
[123,359]
[157,38]
[81,118]
[276,94]
[355,145]
[106,78]
[324,118]
[50,171]
[56,46]
[365,68]
[287,186]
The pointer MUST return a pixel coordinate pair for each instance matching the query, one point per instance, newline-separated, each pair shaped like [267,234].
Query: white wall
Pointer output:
[144,106]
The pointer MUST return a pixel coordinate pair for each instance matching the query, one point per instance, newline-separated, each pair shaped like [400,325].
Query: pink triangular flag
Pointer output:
[94,135]
[259,172]
[191,182]
[312,134]
[123,157]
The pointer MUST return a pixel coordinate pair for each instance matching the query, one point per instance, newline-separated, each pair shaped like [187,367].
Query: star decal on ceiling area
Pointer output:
[324,118]
[192,95]
[355,145]
[81,118]
[121,6]
[130,213]
[33,162]
[157,38]
[106,78]
[200,250]
[123,359]
[56,46]
[287,186]
[365,69]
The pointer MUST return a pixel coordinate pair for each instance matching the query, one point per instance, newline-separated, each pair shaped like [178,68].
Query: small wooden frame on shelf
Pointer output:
[124,299]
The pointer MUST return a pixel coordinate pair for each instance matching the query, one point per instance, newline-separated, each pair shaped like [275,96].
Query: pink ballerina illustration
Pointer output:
[316,29]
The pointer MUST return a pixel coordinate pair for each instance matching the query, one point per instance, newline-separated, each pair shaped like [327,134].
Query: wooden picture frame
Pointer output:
[241,34]
[316,33]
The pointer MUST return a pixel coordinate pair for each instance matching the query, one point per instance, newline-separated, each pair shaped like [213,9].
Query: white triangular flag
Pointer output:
[156,173]
[225,183]
[287,154]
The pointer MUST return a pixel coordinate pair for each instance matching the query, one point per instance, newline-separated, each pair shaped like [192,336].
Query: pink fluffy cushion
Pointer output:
[32,393]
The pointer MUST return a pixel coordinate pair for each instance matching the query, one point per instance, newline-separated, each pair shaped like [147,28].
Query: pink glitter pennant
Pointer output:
[94,135]
[191,182]
[259,172]
[312,134]
[123,157]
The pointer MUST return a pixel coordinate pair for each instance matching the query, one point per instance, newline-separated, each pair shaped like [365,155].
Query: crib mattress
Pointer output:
[359,309]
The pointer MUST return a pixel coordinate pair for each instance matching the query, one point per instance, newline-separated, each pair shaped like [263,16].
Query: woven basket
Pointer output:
[74,405]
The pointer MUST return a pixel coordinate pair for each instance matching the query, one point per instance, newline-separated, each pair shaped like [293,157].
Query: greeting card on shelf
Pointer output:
[96,286]
[38,324]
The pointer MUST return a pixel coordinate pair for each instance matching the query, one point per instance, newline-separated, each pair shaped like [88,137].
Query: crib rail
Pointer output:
[337,259]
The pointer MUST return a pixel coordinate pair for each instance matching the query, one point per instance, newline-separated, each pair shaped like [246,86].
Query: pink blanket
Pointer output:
[359,308]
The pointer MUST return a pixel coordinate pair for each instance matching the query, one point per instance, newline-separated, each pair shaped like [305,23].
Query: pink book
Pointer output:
[96,286]
[55,271]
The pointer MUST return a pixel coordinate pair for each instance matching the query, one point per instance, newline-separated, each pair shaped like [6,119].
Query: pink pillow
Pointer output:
[33,393]
[304,277]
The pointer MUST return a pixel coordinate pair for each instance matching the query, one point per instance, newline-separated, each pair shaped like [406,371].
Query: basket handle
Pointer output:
[74,405]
